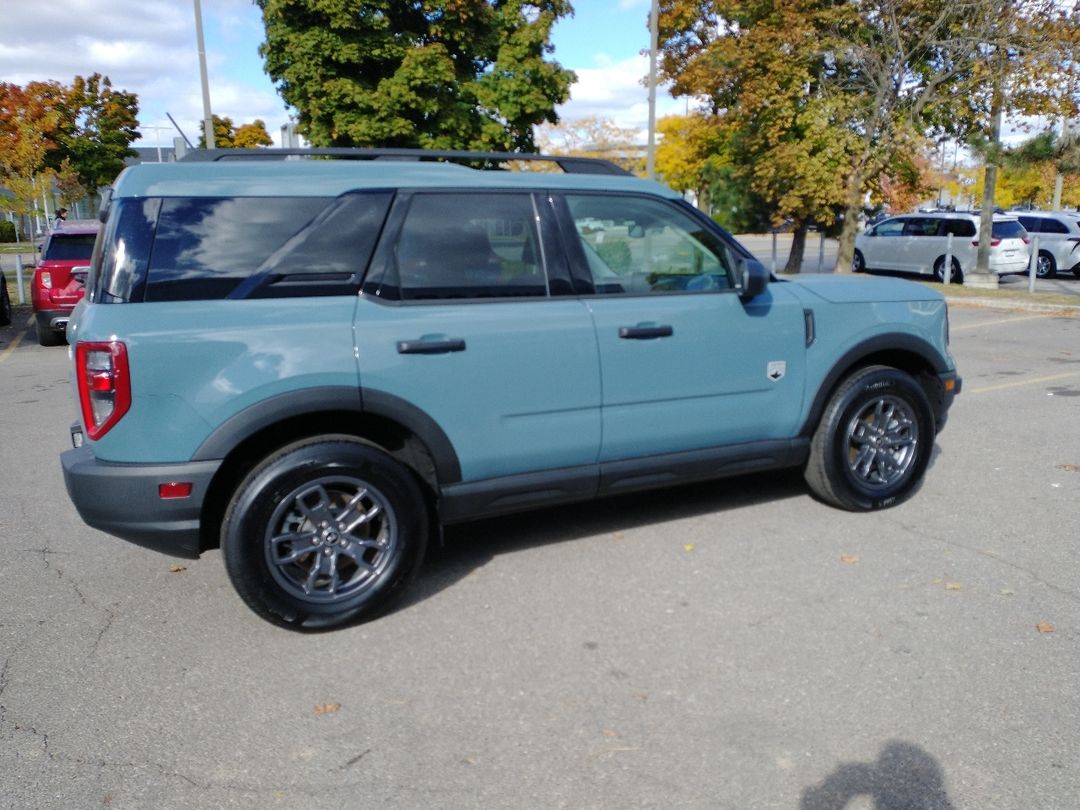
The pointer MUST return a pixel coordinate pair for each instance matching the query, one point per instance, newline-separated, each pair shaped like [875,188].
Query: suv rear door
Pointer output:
[468,315]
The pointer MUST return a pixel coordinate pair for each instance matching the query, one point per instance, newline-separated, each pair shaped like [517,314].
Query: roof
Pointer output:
[323,178]
[77,226]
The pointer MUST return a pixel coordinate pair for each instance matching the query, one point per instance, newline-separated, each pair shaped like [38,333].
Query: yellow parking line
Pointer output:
[12,347]
[996,323]
[1021,383]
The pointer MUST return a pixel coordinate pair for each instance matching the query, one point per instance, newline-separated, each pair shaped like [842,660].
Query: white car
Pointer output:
[916,243]
[1059,240]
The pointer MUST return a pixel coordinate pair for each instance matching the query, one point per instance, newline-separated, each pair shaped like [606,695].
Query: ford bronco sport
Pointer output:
[315,362]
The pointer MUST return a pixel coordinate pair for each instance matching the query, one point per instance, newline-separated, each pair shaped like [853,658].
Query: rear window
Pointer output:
[1008,229]
[70,247]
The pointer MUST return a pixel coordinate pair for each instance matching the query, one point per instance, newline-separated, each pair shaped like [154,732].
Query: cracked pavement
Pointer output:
[728,645]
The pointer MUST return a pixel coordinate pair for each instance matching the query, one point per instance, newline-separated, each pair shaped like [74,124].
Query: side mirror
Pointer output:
[753,278]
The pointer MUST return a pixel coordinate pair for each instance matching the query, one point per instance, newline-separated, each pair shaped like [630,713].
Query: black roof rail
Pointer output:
[569,164]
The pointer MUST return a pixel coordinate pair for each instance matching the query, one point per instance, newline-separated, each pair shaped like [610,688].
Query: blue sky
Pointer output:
[148,47]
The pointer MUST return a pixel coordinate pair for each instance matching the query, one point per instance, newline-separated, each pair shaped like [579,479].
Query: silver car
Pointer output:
[916,243]
[1059,240]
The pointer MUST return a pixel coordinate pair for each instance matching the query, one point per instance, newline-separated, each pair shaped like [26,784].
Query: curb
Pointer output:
[1013,305]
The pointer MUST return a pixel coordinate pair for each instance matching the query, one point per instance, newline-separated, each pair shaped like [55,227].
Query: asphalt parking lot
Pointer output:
[730,645]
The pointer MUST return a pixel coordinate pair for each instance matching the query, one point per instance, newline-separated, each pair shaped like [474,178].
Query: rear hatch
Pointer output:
[1008,244]
[60,278]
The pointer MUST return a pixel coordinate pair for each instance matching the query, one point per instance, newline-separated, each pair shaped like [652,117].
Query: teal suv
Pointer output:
[315,358]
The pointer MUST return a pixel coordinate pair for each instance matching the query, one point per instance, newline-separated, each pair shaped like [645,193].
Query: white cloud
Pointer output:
[146,47]
[616,90]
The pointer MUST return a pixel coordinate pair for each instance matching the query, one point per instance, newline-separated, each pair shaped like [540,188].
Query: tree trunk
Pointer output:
[993,156]
[798,246]
[704,204]
[850,228]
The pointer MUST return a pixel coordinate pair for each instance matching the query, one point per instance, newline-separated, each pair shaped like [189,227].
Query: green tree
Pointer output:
[760,66]
[428,73]
[95,134]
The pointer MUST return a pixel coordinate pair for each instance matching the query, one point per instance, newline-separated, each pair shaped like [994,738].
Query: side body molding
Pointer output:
[268,412]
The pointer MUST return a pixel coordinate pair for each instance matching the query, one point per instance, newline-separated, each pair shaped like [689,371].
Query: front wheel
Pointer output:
[5,303]
[323,533]
[873,443]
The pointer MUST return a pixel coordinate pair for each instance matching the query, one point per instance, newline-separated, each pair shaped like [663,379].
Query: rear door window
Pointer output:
[959,227]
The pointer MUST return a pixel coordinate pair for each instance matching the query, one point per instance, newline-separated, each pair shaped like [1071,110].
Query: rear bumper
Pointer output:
[123,500]
[53,319]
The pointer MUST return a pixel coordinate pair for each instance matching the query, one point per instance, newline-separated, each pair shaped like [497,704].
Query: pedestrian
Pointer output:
[61,217]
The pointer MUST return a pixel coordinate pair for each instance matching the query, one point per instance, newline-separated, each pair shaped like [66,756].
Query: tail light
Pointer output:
[101,370]
[993,242]
[1025,239]
[46,279]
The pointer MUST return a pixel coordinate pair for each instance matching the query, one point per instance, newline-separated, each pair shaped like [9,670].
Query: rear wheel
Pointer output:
[46,335]
[873,443]
[858,263]
[957,276]
[323,533]
[1046,266]
[5,304]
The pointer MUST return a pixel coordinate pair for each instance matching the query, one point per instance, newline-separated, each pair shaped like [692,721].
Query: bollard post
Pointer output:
[774,251]
[821,251]
[1033,265]
[19,277]
[946,266]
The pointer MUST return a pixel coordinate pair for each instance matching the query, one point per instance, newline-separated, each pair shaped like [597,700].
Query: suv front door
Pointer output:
[685,364]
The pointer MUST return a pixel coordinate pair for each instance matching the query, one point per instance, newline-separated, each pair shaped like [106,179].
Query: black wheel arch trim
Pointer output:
[268,412]
[877,345]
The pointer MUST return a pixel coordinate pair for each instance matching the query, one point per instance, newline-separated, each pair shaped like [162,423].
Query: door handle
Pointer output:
[422,346]
[645,332]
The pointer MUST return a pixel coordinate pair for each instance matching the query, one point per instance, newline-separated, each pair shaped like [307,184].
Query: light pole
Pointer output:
[654,41]
[208,120]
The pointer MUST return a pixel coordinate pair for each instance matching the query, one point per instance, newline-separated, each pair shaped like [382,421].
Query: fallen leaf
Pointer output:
[688,546]
[176,569]
[610,732]
[1044,627]
[953,586]
[1006,592]
[326,708]
[850,559]
[618,535]
[1068,467]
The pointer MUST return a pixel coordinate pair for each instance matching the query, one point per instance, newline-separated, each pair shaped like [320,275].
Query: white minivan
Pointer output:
[916,243]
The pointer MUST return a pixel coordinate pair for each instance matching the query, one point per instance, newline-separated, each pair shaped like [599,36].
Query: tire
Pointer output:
[873,443]
[5,303]
[45,335]
[858,263]
[1045,267]
[957,276]
[361,513]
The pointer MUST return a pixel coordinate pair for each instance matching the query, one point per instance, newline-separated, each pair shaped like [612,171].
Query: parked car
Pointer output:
[57,285]
[1059,240]
[316,363]
[5,301]
[916,243]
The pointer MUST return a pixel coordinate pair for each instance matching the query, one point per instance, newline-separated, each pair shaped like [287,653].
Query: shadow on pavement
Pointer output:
[904,777]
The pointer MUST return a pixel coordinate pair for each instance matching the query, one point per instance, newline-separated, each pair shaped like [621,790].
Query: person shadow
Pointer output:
[904,777]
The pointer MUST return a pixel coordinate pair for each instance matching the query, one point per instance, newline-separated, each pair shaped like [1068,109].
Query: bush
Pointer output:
[7,231]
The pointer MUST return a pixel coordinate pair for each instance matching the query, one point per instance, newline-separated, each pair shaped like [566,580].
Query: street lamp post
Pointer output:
[654,37]
[208,120]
